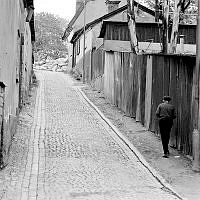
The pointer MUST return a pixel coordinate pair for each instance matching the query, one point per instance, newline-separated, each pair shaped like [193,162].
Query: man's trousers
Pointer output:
[165,128]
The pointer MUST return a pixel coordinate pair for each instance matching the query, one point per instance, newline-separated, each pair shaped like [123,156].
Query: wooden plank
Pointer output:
[166,75]
[126,82]
[157,89]
[173,93]
[138,108]
[131,78]
[108,75]
[148,92]
[135,88]
[186,82]
[97,68]
[143,59]
[87,68]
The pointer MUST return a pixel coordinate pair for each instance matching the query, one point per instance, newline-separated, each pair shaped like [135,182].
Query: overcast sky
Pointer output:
[63,8]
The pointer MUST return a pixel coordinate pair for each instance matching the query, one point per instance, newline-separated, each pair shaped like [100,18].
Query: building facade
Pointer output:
[15,63]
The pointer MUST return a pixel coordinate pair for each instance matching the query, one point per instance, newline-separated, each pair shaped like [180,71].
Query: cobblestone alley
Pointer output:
[70,153]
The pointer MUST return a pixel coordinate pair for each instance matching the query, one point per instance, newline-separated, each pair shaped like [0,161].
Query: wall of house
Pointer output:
[12,15]
[91,41]
[27,61]
[78,52]
[70,54]
[88,44]
[94,10]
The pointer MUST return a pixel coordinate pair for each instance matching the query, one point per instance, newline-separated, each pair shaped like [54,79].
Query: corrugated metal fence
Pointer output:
[136,84]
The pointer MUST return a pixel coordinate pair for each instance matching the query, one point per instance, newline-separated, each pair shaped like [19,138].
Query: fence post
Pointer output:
[196,150]
[196,136]
[2,100]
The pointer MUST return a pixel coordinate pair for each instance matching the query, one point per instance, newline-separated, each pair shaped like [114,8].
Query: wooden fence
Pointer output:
[97,69]
[97,63]
[173,75]
[136,84]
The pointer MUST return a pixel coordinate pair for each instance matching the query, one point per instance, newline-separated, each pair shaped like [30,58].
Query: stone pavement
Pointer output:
[176,170]
[69,152]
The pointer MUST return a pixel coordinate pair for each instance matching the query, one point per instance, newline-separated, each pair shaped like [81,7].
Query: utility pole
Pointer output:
[196,112]
[84,23]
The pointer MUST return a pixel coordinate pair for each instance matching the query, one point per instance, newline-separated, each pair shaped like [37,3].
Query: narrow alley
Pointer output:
[69,152]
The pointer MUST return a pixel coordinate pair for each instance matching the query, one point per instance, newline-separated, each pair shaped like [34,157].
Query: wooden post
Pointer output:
[2,100]
[84,23]
[132,26]
[196,137]
[157,12]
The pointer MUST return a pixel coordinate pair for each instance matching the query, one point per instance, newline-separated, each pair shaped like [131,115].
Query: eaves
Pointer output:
[96,21]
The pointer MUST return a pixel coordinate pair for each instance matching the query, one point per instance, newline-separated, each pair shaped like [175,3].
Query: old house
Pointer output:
[94,9]
[87,37]
[16,42]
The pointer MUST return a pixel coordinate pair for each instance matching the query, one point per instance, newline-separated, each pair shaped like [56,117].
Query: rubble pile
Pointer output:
[58,65]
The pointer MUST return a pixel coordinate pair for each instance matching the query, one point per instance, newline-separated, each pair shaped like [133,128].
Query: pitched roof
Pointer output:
[69,27]
[106,16]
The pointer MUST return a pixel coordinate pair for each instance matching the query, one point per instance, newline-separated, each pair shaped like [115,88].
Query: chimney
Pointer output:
[112,5]
[78,4]
[181,43]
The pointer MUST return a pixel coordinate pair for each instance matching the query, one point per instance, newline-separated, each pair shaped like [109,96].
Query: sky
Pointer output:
[63,8]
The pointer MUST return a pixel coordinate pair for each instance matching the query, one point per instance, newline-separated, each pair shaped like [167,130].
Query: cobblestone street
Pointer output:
[68,152]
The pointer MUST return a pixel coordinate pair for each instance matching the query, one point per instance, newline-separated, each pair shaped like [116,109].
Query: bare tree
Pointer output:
[132,26]
[165,25]
[180,6]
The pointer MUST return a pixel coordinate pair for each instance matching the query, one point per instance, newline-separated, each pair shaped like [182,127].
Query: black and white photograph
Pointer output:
[99,99]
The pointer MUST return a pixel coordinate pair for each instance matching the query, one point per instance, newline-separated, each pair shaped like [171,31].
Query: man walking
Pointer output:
[165,113]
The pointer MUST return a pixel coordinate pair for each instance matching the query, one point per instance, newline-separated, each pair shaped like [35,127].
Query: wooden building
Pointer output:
[149,36]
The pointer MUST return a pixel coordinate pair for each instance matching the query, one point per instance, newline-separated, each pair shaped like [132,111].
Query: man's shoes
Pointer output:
[167,153]
[165,156]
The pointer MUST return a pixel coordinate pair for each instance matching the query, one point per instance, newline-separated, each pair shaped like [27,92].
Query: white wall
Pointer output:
[88,44]
[12,25]
[27,60]
[94,10]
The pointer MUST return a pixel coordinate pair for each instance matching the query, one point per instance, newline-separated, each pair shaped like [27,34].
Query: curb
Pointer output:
[132,148]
